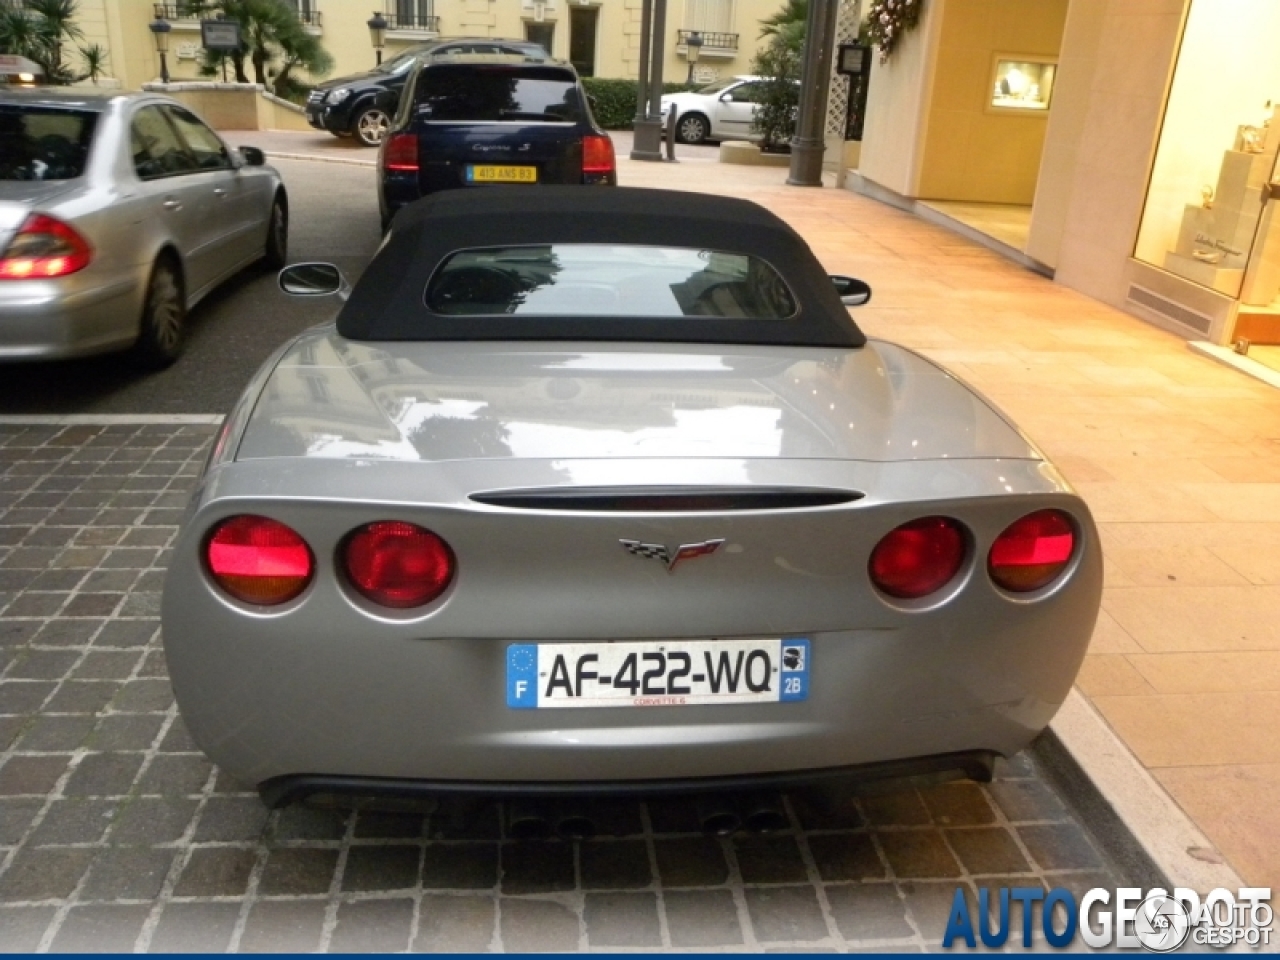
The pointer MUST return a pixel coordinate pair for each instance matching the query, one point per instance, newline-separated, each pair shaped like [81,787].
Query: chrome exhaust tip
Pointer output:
[526,821]
[717,817]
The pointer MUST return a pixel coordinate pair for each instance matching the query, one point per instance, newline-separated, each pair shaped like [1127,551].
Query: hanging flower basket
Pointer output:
[888,20]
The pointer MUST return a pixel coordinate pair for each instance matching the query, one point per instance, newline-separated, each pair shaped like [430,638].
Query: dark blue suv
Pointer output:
[469,122]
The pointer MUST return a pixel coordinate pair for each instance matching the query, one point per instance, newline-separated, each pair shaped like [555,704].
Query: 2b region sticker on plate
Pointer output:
[657,673]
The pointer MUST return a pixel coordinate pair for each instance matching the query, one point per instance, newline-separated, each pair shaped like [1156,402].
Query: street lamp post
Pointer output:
[377,25]
[160,28]
[693,47]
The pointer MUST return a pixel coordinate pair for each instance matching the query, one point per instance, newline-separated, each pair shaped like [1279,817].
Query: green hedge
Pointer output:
[615,100]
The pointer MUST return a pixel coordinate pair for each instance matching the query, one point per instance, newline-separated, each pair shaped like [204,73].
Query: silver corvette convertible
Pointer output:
[603,492]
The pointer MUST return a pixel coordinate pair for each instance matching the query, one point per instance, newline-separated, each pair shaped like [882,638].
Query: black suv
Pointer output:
[362,105]
[475,121]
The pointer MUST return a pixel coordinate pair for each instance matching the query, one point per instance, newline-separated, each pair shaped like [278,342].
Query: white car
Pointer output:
[720,111]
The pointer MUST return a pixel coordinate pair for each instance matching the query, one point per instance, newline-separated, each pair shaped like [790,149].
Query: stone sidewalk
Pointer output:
[116,834]
[1178,456]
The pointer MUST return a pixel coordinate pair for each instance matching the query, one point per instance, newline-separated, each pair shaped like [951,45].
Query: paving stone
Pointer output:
[958,805]
[178,773]
[614,865]
[127,873]
[702,918]
[296,871]
[230,819]
[10,728]
[464,819]
[987,851]
[529,926]
[104,775]
[1023,800]
[785,913]
[32,775]
[918,853]
[107,665]
[126,633]
[216,872]
[826,810]
[373,926]
[769,859]
[692,862]
[381,868]
[846,856]
[81,696]
[145,695]
[131,731]
[93,604]
[16,815]
[622,920]
[48,734]
[900,809]
[306,823]
[389,825]
[42,665]
[36,605]
[67,633]
[22,928]
[100,928]
[929,906]
[460,866]
[195,928]
[1060,847]
[463,924]
[24,696]
[283,926]
[533,867]
[74,820]
[44,873]
[178,739]
[871,911]
[153,820]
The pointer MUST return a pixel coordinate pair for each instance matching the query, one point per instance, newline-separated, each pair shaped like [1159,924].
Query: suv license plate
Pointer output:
[657,673]
[489,173]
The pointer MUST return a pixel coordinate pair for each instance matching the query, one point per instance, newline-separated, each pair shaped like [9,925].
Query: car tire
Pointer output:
[164,315]
[692,128]
[370,126]
[276,254]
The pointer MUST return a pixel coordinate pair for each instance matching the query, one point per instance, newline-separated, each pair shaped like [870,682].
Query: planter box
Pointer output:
[741,151]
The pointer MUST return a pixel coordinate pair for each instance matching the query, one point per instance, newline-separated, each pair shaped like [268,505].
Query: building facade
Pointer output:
[1127,147]
[600,37]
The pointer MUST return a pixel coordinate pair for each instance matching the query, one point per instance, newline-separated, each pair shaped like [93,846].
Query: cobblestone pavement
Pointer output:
[116,834]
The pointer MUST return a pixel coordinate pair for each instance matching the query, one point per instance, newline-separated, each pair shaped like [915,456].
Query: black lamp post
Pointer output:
[160,28]
[693,47]
[377,25]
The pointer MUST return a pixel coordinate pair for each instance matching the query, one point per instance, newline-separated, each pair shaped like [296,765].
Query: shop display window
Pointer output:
[1210,215]
[1021,83]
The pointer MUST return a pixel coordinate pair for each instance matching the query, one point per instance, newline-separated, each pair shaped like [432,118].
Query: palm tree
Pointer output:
[37,29]
[788,24]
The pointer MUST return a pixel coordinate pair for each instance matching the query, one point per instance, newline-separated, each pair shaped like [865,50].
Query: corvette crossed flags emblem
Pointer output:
[658,551]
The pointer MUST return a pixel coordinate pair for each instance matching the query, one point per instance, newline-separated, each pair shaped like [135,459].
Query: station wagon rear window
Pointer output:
[480,93]
[44,143]
[608,280]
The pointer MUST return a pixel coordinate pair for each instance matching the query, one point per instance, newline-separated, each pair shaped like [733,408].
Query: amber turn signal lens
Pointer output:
[259,560]
[918,558]
[1032,552]
[397,564]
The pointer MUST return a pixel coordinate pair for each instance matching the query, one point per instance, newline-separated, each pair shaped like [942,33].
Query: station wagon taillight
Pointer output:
[396,564]
[259,560]
[597,156]
[401,153]
[1032,552]
[918,558]
[44,247]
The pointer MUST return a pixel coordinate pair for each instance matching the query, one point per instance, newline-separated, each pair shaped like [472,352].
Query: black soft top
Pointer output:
[388,302]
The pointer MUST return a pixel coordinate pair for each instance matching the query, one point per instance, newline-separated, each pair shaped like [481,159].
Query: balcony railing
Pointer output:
[194,12]
[710,41]
[416,22]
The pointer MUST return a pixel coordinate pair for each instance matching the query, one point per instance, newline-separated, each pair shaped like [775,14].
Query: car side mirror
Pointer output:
[253,157]
[312,280]
[726,97]
[853,292]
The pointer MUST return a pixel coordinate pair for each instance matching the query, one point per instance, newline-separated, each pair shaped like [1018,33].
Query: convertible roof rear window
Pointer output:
[608,280]
[489,93]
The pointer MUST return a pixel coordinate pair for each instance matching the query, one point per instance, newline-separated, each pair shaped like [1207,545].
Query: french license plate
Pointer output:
[657,673]
[493,173]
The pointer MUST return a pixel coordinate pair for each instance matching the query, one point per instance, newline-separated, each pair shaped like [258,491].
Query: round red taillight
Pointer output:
[259,560]
[1032,552]
[398,564]
[917,558]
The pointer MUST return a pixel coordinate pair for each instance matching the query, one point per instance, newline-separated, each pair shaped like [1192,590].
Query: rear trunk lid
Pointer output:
[332,398]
